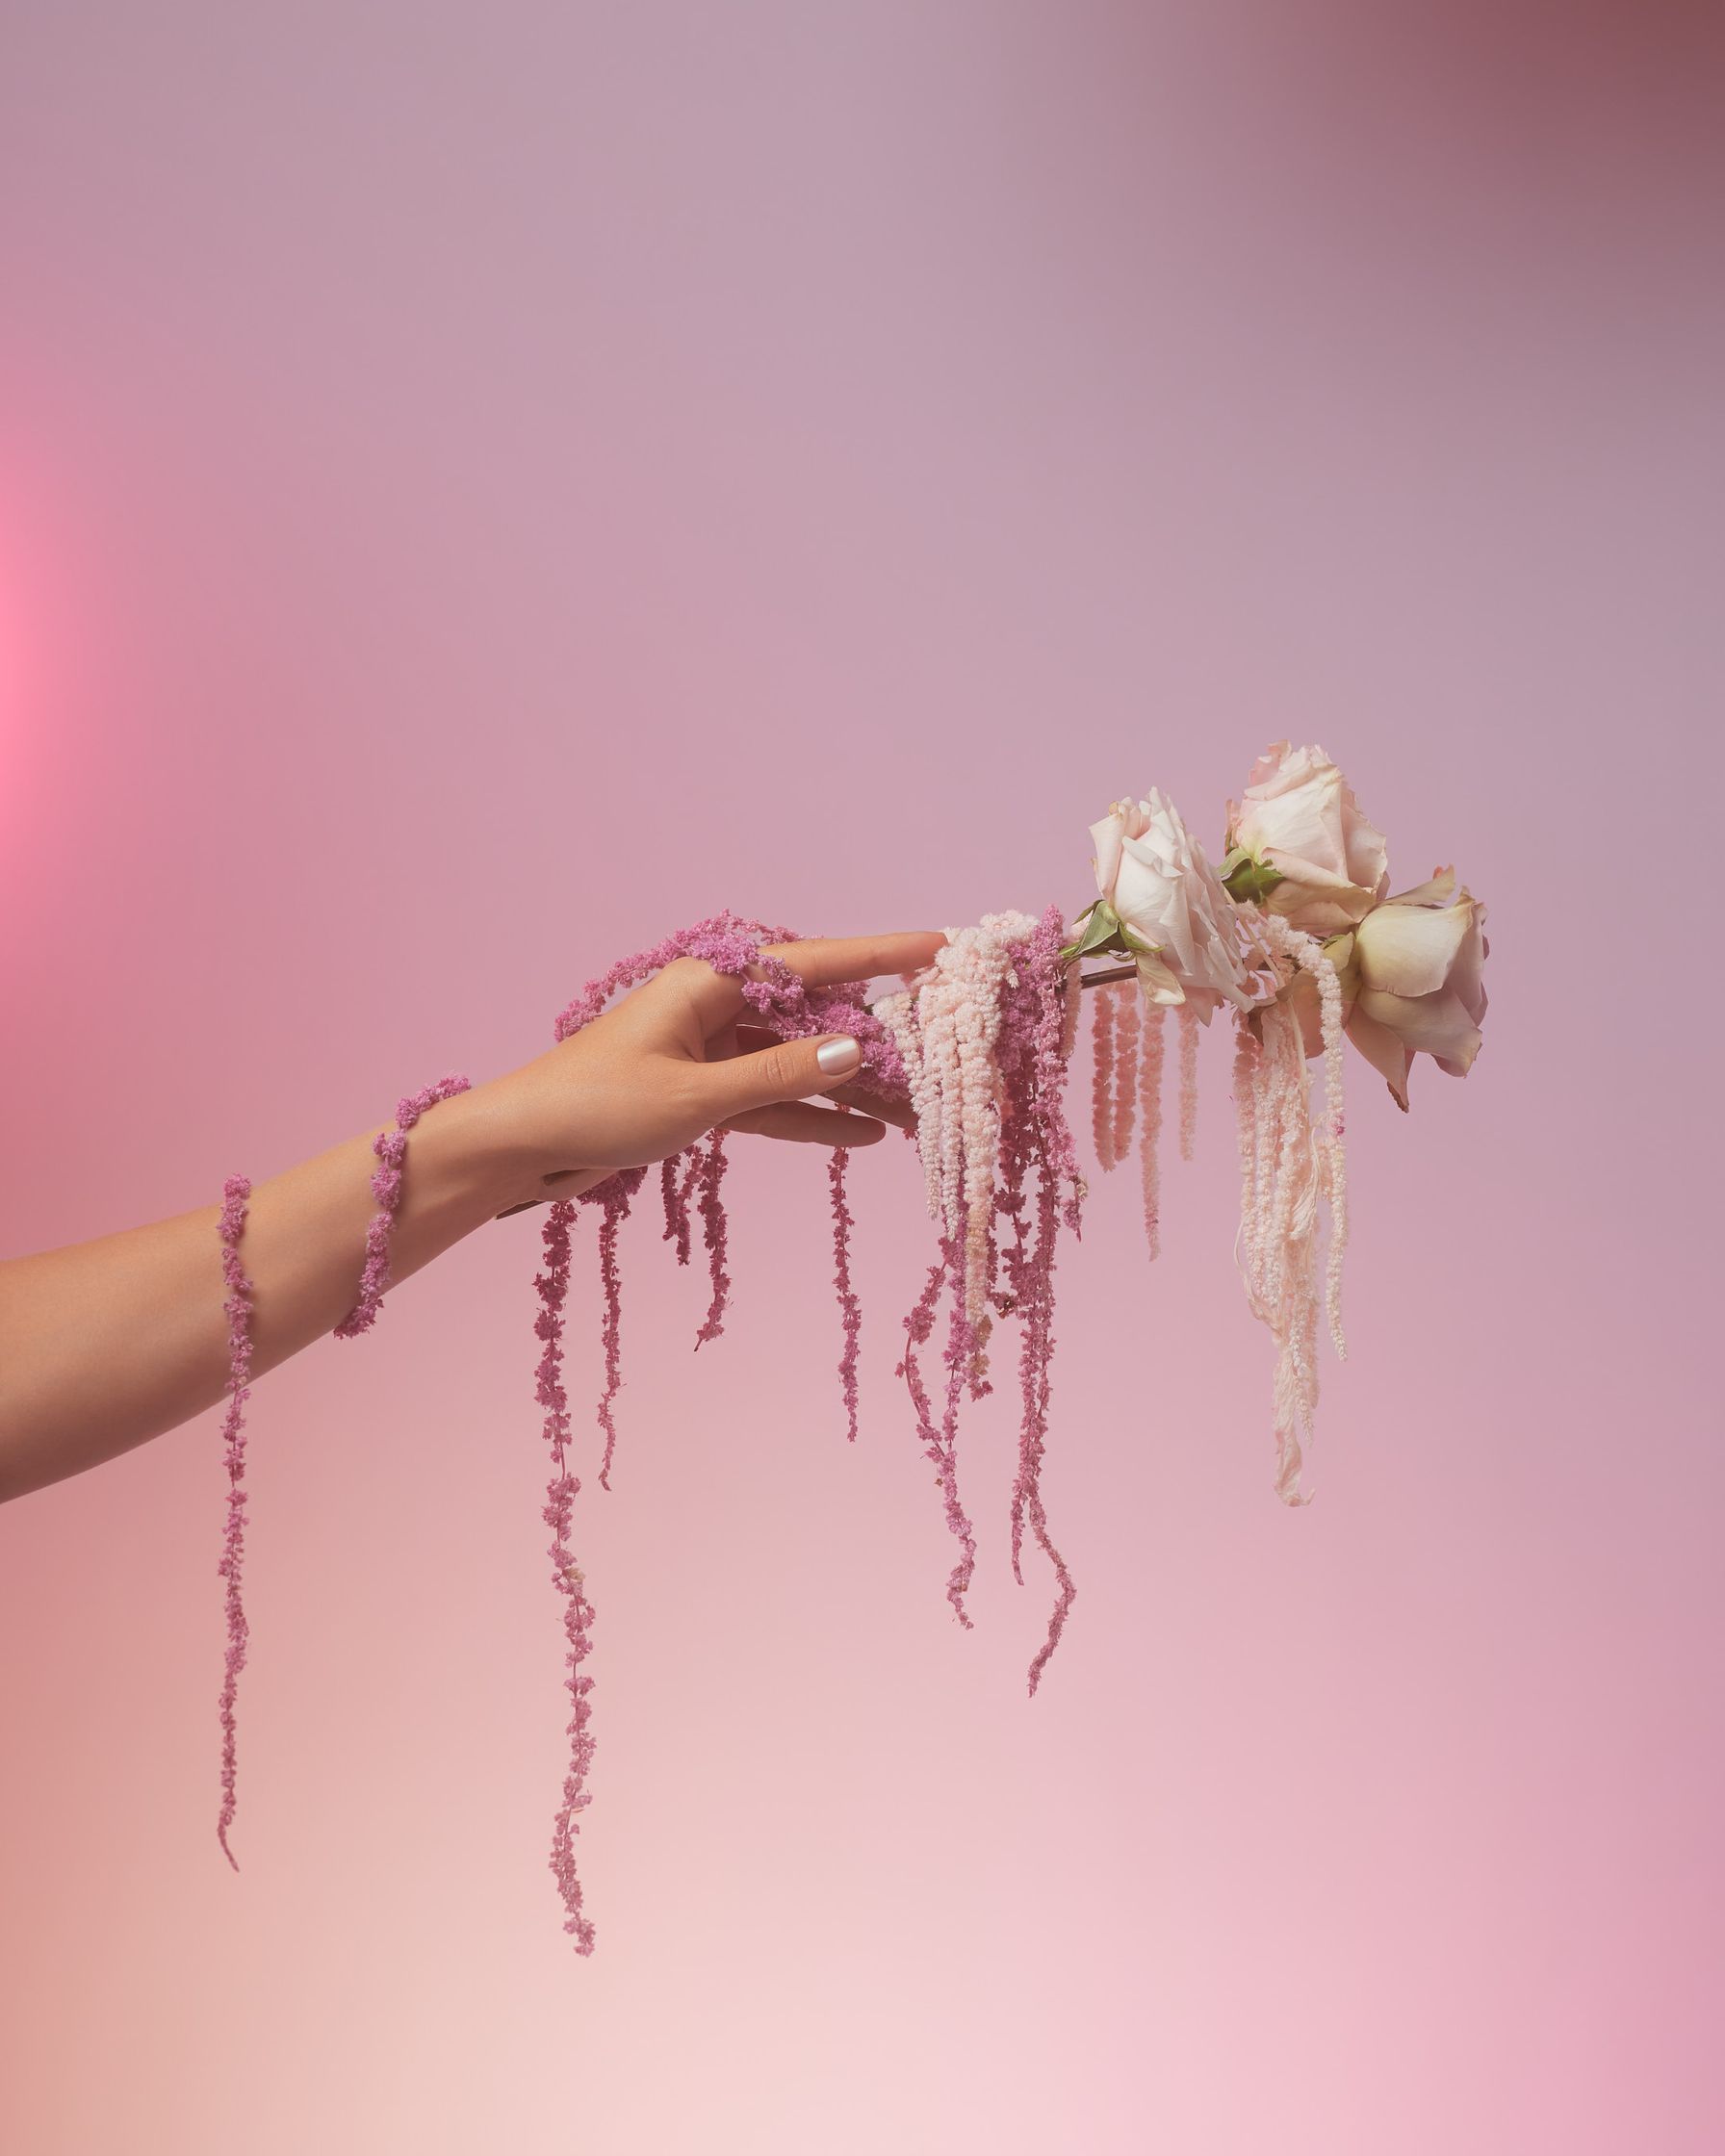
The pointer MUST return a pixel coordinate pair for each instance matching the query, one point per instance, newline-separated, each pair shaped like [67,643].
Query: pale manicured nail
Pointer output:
[838,1059]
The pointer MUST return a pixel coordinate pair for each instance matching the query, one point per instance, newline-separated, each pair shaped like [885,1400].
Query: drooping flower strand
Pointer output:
[1188,1081]
[1102,1079]
[1036,1041]
[939,1439]
[230,1226]
[552,1286]
[1127,1001]
[612,1198]
[1291,1173]
[1149,1088]
[1273,1198]
[676,1176]
[1309,954]
[946,1029]
[391,1150]
[715,1234]
[925,1027]
[1011,963]
[850,1308]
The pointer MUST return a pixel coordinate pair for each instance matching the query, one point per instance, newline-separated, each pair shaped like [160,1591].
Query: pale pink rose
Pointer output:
[1417,964]
[1298,817]
[1159,881]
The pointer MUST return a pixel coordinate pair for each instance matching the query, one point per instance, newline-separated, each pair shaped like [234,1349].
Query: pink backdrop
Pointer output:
[483,486]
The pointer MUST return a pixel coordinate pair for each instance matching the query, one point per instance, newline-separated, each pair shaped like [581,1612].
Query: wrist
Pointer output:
[465,1156]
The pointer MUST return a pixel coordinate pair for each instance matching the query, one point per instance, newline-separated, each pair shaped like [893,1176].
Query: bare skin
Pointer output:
[105,1344]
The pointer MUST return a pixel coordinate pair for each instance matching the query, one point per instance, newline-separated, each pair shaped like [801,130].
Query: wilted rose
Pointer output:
[1417,980]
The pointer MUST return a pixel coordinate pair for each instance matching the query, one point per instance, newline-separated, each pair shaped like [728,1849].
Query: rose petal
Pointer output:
[1365,849]
[1438,1024]
[1382,1049]
[1158,981]
[1437,892]
[1409,950]
[1466,975]
[1105,840]
[1321,913]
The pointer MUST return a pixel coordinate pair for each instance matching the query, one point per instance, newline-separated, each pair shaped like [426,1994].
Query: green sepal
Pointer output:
[1102,929]
[1247,879]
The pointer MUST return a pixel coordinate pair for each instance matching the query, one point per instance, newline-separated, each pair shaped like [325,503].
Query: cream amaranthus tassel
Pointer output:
[946,1032]
[1292,1170]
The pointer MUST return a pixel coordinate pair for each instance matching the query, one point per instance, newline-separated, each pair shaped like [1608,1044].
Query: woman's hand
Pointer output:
[104,1345]
[678,1057]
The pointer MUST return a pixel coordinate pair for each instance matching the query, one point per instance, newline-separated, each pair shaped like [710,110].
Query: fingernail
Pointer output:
[839,1058]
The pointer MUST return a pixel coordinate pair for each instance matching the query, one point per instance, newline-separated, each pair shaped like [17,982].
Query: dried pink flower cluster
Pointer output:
[979,1046]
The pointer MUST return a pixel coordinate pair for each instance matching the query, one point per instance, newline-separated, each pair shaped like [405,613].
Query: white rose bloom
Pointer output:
[1157,878]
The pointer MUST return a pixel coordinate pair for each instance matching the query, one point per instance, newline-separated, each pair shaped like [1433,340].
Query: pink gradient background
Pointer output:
[481,487]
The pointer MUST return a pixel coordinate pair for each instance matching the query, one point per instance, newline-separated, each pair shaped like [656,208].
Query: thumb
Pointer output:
[787,1071]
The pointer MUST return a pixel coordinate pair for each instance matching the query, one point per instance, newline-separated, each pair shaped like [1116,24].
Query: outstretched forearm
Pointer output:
[106,1344]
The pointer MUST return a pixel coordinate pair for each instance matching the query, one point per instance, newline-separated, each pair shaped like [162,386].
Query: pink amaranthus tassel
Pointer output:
[1128,1001]
[552,1285]
[849,1307]
[1149,1086]
[1188,1020]
[238,1308]
[391,1150]
[1102,1078]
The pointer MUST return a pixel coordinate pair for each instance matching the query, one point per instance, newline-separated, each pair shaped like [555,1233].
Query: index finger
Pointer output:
[819,963]
[824,960]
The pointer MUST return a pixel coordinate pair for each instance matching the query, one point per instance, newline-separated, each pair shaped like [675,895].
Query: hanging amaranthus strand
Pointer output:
[552,1285]
[940,1440]
[1149,1086]
[391,1150]
[230,1226]
[1102,1084]
[1188,1081]
[676,1174]
[850,1309]
[715,1233]
[1291,1172]
[1127,1001]
[613,1198]
[1036,1040]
